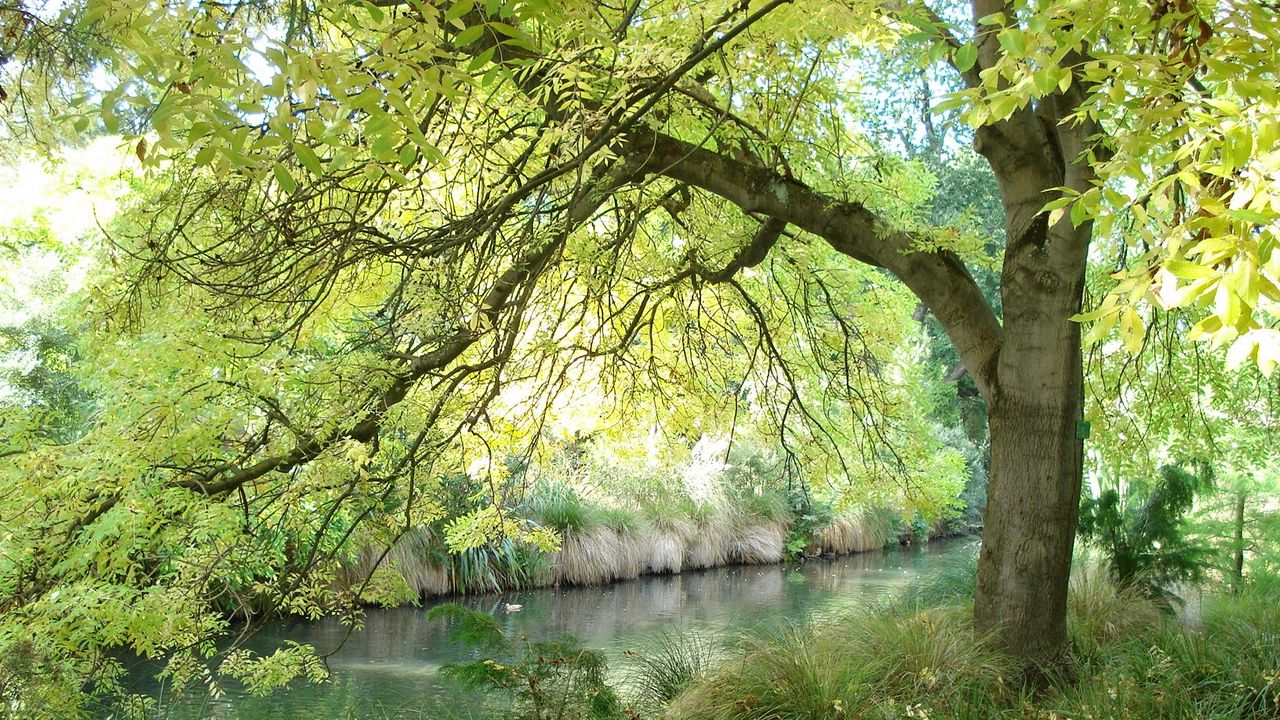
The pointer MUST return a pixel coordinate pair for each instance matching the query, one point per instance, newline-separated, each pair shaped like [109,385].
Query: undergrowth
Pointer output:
[920,658]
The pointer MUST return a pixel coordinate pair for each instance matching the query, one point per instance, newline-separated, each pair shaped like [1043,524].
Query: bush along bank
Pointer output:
[601,544]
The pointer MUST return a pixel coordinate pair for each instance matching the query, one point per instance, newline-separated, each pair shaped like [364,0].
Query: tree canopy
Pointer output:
[371,242]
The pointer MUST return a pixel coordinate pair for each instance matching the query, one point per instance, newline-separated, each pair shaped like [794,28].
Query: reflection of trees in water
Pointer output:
[393,659]
[715,599]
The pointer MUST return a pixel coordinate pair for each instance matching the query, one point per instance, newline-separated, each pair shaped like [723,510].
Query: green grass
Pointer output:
[659,674]
[1225,665]
[868,665]
[620,519]
[913,660]
[754,505]
[560,507]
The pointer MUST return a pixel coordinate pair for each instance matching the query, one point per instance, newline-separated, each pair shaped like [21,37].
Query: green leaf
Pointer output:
[1132,331]
[468,36]
[205,155]
[1245,347]
[965,57]
[287,183]
[1046,80]
[408,154]
[952,101]
[1095,313]
[1004,105]
[308,158]
[1188,270]
[1012,41]
[457,10]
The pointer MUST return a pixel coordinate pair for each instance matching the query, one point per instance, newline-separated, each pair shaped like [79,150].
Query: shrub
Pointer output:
[809,519]
[1144,535]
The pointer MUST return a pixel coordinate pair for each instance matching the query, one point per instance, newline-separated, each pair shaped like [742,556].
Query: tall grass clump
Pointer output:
[659,673]
[761,503]
[1227,667]
[559,506]
[1102,613]
[587,557]
[506,564]
[665,548]
[856,530]
[869,665]
[409,570]
[708,543]
[416,556]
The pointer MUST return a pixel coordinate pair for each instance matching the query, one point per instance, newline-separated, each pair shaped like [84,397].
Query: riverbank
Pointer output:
[604,545]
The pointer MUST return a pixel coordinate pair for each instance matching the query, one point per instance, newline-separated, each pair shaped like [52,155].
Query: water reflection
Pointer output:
[389,669]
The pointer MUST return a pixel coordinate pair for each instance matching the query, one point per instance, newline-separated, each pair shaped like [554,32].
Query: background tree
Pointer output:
[1144,534]
[1172,402]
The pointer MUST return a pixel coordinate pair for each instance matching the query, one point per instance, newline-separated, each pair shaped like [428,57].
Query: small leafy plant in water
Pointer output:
[546,680]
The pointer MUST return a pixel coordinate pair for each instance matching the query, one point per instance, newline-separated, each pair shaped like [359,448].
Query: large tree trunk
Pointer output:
[1032,504]
[1034,406]
[1035,394]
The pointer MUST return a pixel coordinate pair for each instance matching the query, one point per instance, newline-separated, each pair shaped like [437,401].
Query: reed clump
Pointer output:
[856,530]
[605,540]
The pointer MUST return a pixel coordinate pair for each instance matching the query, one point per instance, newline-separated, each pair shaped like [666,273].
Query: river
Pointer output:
[389,670]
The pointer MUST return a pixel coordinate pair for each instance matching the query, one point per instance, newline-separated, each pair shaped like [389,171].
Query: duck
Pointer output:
[512,607]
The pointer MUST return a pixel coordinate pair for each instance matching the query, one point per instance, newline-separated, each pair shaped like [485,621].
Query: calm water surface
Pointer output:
[389,670]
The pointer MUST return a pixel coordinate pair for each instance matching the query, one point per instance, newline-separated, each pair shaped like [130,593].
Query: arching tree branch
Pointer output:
[940,279]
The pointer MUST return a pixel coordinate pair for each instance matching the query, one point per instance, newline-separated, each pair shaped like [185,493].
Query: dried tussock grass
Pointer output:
[587,557]
[854,532]
[708,545]
[410,557]
[633,554]
[665,551]
[761,544]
